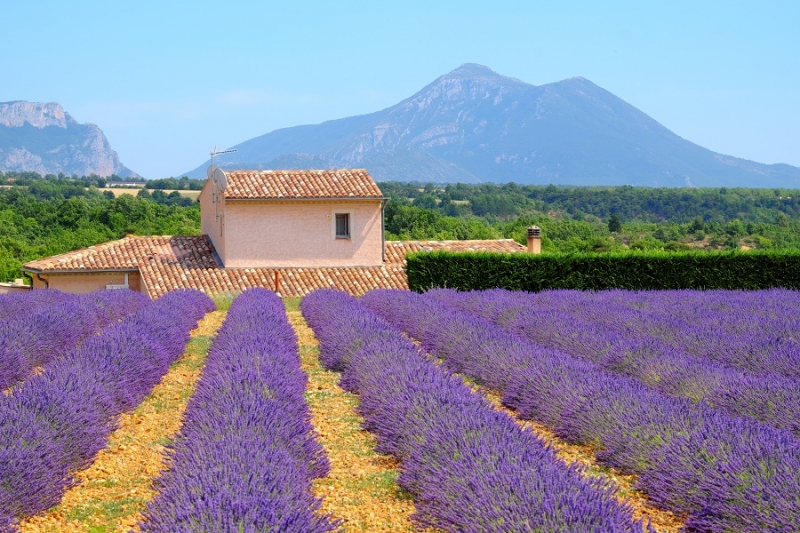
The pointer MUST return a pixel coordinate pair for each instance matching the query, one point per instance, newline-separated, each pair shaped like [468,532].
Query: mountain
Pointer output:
[44,138]
[474,125]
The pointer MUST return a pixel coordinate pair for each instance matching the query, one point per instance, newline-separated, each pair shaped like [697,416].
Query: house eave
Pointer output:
[32,270]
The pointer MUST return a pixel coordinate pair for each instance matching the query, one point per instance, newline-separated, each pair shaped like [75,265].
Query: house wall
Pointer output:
[301,234]
[8,288]
[210,223]
[81,283]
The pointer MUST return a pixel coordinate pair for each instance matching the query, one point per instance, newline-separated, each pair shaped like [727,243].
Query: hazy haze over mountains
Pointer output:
[474,125]
[44,138]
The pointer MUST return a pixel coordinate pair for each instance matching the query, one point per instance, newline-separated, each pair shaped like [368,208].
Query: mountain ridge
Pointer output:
[44,138]
[473,124]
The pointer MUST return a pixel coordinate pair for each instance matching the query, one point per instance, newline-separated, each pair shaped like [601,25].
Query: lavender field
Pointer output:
[57,421]
[707,430]
[693,394]
[38,328]
[246,456]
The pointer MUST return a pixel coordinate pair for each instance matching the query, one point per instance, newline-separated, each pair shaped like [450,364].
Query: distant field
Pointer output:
[119,191]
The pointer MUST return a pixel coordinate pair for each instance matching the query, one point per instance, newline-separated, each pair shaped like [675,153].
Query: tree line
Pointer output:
[643,204]
[47,215]
[586,219]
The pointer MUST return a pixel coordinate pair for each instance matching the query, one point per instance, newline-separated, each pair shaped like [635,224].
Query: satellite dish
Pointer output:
[210,171]
[220,179]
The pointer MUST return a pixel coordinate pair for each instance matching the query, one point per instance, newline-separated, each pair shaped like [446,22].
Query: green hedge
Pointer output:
[637,271]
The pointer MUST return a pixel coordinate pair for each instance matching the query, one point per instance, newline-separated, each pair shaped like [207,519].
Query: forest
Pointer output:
[47,215]
[586,219]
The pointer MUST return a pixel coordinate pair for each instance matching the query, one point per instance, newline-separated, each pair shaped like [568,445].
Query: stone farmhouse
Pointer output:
[292,231]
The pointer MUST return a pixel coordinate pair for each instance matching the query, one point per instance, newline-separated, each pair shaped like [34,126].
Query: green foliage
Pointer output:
[57,214]
[160,197]
[629,270]
[614,224]
[642,204]
[183,184]
[409,222]
[584,219]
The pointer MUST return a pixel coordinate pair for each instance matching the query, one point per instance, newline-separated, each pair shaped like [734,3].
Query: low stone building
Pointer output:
[290,231]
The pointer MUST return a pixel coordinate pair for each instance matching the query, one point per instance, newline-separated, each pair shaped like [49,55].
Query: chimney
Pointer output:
[534,240]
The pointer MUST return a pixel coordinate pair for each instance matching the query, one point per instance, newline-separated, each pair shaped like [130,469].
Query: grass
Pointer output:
[119,191]
[223,300]
[292,303]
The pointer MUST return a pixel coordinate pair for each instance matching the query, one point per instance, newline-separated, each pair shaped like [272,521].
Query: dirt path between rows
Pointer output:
[361,487]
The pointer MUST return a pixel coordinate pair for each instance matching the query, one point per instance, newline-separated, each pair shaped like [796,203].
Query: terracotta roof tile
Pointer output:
[396,251]
[274,184]
[169,263]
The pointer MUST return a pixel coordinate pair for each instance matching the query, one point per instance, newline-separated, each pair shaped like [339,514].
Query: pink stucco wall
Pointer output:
[81,283]
[299,234]
[8,288]
[212,217]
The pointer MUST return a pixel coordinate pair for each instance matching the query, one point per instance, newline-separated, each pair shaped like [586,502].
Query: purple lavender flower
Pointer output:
[727,473]
[46,324]
[469,467]
[56,422]
[246,455]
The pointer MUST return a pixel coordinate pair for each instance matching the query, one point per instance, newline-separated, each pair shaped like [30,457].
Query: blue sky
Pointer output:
[168,80]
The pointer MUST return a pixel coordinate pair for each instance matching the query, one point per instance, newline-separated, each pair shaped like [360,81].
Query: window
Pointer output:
[342,225]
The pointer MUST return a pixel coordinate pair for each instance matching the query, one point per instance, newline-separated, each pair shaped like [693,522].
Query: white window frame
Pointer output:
[349,213]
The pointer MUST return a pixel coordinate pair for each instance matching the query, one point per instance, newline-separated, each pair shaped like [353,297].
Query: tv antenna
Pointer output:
[218,178]
[216,174]
[215,152]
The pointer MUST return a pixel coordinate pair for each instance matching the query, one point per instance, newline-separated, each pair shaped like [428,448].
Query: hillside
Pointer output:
[43,138]
[475,125]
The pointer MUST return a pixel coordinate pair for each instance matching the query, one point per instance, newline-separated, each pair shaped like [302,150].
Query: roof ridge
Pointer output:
[252,184]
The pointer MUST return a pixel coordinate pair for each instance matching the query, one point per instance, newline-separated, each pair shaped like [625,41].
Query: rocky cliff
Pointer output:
[44,138]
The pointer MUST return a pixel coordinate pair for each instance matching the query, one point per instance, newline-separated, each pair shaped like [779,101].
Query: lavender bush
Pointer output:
[613,332]
[22,302]
[56,422]
[246,455]
[756,332]
[727,474]
[469,467]
[49,323]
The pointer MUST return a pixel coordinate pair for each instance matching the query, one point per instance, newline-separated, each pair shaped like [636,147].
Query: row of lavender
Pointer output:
[632,337]
[11,304]
[727,474]
[757,332]
[39,327]
[56,422]
[246,454]
[468,466]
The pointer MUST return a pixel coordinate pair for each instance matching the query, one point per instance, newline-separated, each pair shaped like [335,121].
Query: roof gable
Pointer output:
[296,184]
